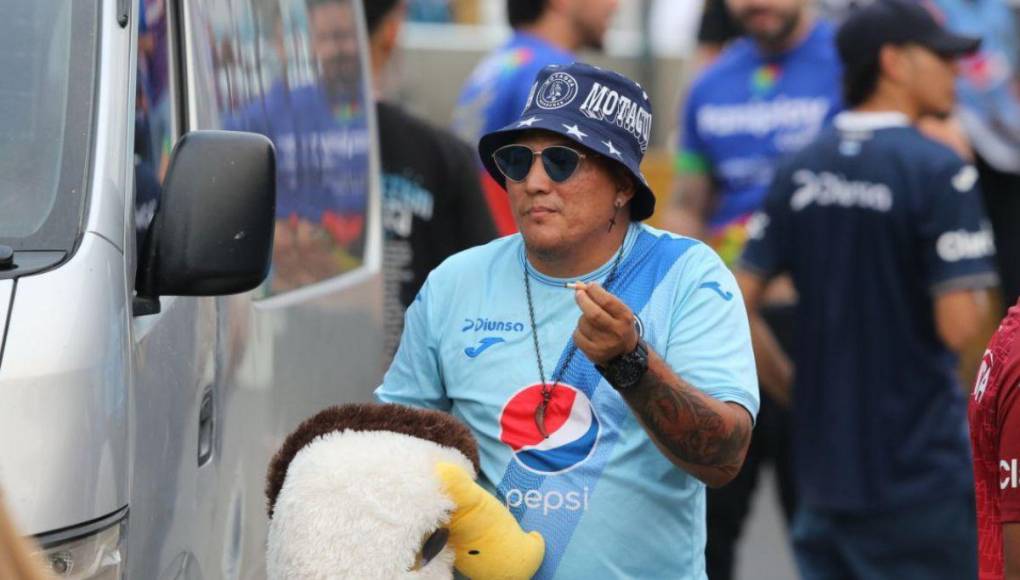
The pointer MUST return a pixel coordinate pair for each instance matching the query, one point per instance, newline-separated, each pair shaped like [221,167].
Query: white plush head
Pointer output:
[361,503]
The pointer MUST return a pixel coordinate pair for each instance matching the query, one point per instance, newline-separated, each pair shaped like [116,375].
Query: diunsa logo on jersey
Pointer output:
[557,91]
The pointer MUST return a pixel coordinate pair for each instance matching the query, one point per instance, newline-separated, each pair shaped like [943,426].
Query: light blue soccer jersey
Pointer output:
[606,500]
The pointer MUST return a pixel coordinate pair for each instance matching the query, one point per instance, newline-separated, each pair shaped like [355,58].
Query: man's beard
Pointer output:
[775,38]
[339,77]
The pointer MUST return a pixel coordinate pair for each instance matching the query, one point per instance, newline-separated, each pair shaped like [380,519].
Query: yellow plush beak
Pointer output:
[488,542]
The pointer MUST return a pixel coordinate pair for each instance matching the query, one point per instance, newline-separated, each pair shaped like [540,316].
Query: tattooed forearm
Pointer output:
[707,436]
[689,428]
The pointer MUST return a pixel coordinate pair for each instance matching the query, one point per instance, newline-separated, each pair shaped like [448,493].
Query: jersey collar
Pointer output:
[870,121]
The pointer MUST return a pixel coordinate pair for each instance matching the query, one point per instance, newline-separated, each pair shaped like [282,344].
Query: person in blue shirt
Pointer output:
[544,32]
[889,249]
[767,95]
[322,139]
[604,366]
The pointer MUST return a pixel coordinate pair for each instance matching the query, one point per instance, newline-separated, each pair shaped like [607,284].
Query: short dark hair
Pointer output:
[376,11]
[859,82]
[524,12]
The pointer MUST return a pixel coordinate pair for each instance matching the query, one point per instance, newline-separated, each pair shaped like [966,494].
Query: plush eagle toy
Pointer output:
[388,492]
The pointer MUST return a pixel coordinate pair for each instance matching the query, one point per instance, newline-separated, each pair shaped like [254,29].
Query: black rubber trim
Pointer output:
[7,323]
[63,535]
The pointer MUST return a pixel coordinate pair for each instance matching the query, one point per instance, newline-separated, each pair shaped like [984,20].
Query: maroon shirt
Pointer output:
[995,437]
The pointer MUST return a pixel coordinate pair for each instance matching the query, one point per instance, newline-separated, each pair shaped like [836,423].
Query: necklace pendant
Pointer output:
[540,419]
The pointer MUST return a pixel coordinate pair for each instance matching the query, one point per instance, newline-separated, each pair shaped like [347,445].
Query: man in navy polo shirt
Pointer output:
[884,235]
[767,95]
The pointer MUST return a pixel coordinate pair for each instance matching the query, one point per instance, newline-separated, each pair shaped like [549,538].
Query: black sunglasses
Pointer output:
[560,162]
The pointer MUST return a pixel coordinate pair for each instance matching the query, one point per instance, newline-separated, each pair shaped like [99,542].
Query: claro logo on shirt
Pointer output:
[963,245]
[1008,468]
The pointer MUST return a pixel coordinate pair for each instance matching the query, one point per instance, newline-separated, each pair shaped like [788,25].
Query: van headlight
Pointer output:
[94,552]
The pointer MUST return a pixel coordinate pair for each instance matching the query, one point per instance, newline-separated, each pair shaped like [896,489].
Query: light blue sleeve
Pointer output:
[414,378]
[710,339]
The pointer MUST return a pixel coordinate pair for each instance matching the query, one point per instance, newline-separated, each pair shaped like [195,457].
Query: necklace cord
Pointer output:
[547,390]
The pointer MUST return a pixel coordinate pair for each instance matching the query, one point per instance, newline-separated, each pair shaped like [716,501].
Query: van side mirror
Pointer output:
[212,233]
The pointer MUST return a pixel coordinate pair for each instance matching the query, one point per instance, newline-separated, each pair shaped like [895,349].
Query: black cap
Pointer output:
[883,22]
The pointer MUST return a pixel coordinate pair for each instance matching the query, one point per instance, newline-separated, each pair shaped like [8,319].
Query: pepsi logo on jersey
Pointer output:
[570,420]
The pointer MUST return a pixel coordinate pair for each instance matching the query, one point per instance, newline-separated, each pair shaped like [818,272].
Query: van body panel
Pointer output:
[110,180]
[175,415]
[174,365]
[64,386]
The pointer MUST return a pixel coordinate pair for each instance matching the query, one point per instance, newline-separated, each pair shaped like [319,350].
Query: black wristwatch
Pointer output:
[624,371]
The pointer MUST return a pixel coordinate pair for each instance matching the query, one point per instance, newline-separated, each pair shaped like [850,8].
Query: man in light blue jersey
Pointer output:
[545,32]
[604,366]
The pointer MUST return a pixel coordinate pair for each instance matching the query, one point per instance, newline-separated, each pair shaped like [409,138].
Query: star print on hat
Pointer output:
[599,109]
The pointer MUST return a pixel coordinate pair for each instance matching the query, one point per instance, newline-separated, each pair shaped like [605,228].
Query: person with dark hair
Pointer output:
[883,232]
[545,32]
[432,201]
[767,95]
[860,82]
[717,29]
[521,13]
[604,366]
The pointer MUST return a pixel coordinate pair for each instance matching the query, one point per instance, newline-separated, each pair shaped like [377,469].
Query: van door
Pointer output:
[175,350]
[297,72]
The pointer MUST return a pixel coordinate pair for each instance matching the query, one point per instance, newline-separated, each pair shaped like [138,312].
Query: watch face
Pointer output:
[629,374]
[627,370]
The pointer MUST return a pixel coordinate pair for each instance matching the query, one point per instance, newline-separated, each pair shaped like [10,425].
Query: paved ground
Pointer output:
[764,553]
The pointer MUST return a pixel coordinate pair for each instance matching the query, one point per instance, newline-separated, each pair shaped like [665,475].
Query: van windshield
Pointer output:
[47,69]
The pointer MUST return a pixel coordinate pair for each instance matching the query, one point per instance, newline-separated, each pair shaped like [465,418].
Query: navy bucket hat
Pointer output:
[601,110]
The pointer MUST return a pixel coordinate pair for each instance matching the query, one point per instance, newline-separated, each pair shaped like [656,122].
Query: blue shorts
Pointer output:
[930,542]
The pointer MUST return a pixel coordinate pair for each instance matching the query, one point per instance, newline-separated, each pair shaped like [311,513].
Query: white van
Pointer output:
[156,345]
